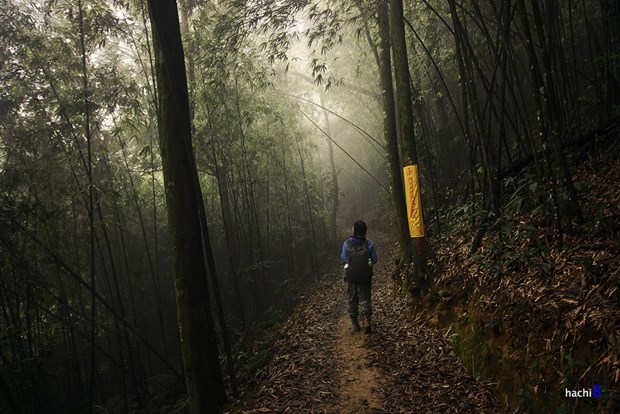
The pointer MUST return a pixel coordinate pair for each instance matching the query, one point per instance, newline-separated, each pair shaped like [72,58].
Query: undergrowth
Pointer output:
[538,315]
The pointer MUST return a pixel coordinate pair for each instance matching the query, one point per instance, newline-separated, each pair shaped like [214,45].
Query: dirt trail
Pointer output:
[357,379]
[404,366]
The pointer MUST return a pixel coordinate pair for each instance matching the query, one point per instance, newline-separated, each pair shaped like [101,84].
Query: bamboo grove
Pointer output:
[288,151]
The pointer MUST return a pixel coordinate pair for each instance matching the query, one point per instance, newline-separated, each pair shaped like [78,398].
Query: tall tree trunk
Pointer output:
[467,61]
[205,387]
[554,115]
[289,226]
[91,204]
[334,191]
[543,122]
[229,232]
[154,275]
[186,8]
[405,117]
[251,199]
[397,192]
[310,217]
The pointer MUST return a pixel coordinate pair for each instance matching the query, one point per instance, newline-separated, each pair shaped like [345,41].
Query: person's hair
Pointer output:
[359,228]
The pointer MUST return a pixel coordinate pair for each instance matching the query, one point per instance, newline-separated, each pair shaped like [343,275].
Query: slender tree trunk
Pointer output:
[542,116]
[555,121]
[466,59]
[389,131]
[154,275]
[310,216]
[405,119]
[186,8]
[289,226]
[222,181]
[91,203]
[205,387]
[252,208]
[371,42]
[334,191]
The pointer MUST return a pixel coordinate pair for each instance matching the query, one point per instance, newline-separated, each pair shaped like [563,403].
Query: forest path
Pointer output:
[405,366]
[358,387]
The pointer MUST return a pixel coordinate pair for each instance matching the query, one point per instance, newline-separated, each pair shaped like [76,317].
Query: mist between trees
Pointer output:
[293,139]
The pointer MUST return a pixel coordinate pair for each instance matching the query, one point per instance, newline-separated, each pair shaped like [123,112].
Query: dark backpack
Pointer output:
[358,257]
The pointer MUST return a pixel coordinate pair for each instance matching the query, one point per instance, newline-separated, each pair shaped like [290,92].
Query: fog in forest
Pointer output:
[177,180]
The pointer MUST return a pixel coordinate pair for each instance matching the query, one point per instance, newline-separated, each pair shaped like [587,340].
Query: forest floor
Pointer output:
[539,316]
[319,366]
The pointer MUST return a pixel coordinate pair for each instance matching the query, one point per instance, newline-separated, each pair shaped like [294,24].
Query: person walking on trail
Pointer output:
[358,256]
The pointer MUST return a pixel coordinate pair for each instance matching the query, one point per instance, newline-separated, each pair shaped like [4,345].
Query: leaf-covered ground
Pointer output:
[404,366]
[552,312]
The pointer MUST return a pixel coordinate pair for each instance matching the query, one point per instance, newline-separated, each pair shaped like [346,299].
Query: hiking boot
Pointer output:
[356,326]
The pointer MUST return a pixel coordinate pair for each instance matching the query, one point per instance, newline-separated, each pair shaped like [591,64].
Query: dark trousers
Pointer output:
[359,297]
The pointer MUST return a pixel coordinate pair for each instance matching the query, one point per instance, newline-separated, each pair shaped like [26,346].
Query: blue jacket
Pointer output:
[355,240]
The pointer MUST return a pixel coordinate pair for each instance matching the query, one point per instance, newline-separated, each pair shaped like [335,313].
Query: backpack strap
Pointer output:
[349,246]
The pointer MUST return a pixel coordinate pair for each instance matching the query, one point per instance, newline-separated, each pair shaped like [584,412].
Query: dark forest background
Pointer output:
[291,144]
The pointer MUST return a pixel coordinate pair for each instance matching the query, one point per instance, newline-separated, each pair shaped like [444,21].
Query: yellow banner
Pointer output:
[414,201]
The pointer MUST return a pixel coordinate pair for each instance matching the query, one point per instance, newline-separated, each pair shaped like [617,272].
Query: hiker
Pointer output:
[359,255]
